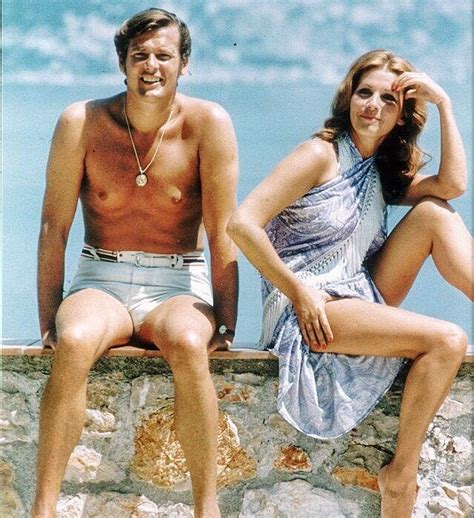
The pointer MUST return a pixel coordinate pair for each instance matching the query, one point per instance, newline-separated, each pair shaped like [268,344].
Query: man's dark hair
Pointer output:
[148,20]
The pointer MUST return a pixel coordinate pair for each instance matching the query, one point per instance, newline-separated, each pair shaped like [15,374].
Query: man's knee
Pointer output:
[186,349]
[76,344]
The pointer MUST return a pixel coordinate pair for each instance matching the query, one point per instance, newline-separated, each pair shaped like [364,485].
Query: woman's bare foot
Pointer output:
[397,495]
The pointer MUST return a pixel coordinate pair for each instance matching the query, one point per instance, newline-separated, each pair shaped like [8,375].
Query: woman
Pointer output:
[316,230]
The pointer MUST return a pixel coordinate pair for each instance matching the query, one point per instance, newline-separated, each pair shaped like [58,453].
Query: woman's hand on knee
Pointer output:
[310,309]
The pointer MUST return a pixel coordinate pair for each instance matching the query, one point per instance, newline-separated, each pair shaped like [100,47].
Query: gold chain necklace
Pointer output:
[141,179]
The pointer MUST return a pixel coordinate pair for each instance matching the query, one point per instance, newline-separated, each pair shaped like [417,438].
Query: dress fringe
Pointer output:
[336,264]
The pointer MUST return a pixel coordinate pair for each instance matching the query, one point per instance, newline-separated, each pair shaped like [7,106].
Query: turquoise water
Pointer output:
[269,121]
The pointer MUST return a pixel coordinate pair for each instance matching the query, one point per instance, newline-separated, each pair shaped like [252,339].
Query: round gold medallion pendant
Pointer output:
[141,180]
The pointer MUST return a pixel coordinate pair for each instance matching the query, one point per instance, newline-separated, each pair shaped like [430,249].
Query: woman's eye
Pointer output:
[389,98]
[364,92]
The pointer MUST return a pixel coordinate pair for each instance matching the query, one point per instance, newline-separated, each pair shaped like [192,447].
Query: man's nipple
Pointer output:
[176,195]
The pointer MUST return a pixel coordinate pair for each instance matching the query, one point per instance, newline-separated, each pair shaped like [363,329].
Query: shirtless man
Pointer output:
[155,171]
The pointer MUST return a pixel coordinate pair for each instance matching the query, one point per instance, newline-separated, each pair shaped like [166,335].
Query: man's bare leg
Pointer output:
[88,323]
[437,348]
[182,327]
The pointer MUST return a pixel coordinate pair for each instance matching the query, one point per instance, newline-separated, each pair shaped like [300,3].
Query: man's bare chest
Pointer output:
[111,170]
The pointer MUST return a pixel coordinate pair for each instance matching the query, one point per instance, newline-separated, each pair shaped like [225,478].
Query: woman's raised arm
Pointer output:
[451,180]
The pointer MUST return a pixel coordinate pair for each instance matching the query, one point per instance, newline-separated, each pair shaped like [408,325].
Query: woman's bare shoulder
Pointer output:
[319,157]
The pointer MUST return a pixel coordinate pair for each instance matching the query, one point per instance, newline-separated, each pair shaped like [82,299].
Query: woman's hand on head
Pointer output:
[418,85]
[309,305]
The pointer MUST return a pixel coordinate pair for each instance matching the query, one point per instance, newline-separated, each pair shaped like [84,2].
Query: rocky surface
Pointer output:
[128,462]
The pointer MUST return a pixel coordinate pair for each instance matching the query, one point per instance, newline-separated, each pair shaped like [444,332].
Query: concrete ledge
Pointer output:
[128,461]
[35,348]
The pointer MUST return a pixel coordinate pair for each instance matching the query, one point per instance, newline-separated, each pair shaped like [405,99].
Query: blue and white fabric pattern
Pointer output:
[325,237]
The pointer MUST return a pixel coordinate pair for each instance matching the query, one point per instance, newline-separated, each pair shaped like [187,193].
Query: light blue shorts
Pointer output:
[142,281]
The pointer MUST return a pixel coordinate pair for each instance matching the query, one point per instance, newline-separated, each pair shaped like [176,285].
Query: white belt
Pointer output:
[151,260]
[144,259]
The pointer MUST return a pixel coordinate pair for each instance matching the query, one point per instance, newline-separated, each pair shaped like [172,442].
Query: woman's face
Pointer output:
[375,109]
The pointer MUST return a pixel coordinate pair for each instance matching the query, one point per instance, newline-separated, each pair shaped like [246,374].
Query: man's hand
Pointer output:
[220,342]
[49,338]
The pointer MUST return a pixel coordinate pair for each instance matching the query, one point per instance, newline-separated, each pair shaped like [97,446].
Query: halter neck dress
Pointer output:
[326,237]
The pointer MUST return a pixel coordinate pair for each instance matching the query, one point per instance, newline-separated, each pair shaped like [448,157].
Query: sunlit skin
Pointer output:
[190,194]
[154,64]
[375,109]
[431,228]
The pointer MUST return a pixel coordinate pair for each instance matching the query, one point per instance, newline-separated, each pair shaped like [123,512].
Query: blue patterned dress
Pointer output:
[325,237]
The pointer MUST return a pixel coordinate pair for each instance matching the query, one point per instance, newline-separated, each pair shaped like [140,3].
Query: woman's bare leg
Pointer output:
[437,348]
[433,228]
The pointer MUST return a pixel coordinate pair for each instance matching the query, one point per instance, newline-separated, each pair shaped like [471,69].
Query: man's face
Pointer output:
[153,62]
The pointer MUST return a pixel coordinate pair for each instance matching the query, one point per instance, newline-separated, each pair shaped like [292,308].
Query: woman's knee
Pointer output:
[452,343]
[432,210]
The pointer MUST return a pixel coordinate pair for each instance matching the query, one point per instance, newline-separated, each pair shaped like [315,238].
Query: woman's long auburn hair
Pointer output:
[398,157]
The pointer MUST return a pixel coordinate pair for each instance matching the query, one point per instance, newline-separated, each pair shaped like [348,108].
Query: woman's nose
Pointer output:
[374,102]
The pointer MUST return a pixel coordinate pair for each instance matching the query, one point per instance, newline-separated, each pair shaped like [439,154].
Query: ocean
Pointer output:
[270,120]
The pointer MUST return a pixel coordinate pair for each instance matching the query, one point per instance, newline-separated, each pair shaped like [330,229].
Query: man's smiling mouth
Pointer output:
[151,79]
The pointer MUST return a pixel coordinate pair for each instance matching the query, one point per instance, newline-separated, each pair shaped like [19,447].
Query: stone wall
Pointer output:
[129,464]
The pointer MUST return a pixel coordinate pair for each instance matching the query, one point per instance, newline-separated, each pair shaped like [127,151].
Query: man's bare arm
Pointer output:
[63,180]
[219,175]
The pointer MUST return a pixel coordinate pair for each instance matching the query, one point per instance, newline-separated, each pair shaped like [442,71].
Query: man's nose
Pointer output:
[151,63]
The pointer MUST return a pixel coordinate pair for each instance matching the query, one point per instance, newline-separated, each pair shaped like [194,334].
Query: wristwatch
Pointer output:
[224,330]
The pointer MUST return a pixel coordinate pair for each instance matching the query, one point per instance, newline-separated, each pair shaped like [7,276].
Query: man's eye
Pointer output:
[139,55]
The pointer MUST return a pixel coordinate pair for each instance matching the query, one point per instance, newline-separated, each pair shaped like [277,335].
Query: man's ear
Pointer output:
[400,122]
[184,67]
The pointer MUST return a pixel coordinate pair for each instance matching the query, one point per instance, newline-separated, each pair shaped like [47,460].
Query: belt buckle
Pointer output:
[141,260]
[176,261]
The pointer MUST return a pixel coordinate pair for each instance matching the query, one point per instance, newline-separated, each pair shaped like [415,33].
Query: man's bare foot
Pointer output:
[210,510]
[397,496]
[42,511]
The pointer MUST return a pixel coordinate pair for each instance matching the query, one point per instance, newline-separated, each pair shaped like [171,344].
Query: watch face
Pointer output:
[222,329]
